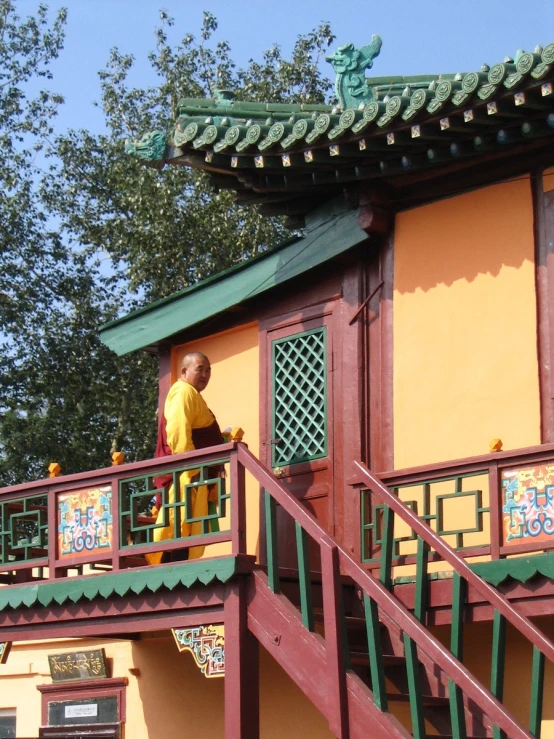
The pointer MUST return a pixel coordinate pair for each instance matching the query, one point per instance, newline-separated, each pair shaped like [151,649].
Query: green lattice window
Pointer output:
[299,398]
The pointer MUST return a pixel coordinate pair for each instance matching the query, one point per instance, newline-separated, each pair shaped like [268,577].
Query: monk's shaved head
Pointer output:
[191,357]
[196,370]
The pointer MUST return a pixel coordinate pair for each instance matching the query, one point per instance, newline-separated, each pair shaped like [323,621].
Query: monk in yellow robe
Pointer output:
[187,424]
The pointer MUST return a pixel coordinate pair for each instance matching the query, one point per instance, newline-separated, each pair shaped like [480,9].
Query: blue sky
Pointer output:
[419,36]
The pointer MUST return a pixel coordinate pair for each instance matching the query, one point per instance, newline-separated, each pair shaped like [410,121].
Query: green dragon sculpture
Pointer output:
[350,64]
[150,148]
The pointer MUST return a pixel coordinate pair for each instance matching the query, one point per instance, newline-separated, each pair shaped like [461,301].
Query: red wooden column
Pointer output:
[242,673]
[543,203]
[376,219]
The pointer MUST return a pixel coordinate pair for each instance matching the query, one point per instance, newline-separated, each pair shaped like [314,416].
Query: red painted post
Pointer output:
[238,506]
[242,673]
[337,696]
[116,524]
[495,504]
[52,513]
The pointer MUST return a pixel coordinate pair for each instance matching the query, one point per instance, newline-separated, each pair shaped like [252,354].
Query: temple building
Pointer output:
[377,557]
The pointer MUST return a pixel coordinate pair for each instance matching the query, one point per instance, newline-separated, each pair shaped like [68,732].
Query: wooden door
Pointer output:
[297,431]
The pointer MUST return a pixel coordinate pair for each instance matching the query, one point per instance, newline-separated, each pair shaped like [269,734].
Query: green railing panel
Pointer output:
[430,509]
[455,695]
[498,663]
[304,577]
[375,650]
[23,529]
[137,497]
[299,397]
[414,688]
[271,543]
[537,693]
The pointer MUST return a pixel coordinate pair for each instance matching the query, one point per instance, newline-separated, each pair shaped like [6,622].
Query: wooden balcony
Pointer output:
[101,522]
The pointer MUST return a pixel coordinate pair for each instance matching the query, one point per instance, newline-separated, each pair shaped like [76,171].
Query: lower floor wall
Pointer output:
[166,696]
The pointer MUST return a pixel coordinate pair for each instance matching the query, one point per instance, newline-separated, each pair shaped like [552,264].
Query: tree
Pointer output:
[166,230]
[65,397]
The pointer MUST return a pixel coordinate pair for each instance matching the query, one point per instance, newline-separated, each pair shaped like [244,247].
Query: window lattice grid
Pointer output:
[300,398]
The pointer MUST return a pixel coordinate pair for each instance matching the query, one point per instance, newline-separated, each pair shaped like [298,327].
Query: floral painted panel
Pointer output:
[85,523]
[528,505]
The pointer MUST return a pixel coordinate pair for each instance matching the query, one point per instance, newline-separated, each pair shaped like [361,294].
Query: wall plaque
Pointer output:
[89,665]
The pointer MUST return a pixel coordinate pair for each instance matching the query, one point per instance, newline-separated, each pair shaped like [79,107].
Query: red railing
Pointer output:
[33,514]
[343,696]
[528,532]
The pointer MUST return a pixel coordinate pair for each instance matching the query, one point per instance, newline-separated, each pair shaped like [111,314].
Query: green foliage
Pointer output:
[166,230]
[98,233]
[63,396]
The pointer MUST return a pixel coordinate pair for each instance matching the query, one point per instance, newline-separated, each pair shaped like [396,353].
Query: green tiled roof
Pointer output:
[300,152]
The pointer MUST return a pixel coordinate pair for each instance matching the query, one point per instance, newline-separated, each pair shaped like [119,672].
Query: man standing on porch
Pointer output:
[187,423]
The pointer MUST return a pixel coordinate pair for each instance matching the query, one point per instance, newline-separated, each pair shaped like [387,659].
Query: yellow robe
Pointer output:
[184,410]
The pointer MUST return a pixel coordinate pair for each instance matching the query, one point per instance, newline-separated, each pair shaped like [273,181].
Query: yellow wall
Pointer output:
[167,696]
[233,396]
[465,354]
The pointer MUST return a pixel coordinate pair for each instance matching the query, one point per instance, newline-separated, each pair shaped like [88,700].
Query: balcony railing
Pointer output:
[105,519]
[489,507]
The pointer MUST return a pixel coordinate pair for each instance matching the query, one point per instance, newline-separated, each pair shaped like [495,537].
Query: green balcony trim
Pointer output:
[154,323]
[129,582]
[518,568]
[495,572]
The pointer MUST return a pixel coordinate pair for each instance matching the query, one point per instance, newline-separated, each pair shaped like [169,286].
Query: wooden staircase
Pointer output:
[366,662]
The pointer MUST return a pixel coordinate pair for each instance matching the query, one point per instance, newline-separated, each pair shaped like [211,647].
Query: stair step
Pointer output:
[428,700]
[352,622]
[389,660]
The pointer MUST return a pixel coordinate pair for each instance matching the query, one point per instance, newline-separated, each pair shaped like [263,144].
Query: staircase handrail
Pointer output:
[488,592]
[451,666]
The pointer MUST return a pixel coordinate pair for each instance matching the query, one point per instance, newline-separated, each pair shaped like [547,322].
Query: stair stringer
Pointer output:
[277,625]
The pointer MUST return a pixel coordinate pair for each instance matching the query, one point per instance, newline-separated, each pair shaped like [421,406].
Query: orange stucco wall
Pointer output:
[465,354]
[167,695]
[233,396]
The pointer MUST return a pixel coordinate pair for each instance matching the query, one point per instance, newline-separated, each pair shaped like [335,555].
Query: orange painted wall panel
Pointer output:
[233,396]
[167,695]
[465,354]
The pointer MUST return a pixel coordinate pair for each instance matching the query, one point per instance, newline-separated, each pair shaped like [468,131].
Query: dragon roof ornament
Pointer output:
[350,64]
